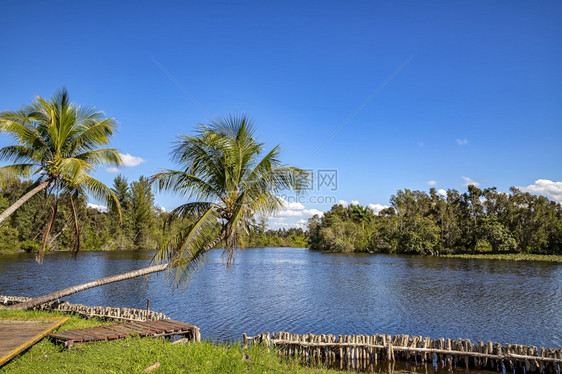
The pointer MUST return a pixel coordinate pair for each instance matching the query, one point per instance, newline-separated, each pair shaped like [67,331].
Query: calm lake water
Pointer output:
[301,291]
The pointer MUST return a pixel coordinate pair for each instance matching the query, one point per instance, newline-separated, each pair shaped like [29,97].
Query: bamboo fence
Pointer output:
[363,352]
[107,313]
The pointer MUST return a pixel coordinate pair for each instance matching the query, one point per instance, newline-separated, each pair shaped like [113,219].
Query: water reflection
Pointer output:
[291,289]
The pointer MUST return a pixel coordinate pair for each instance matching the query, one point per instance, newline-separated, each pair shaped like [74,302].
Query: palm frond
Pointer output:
[185,252]
[99,191]
[12,172]
[17,153]
[91,133]
[105,156]
[188,210]
[183,184]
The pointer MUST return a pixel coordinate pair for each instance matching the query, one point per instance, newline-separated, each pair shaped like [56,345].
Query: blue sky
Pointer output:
[457,89]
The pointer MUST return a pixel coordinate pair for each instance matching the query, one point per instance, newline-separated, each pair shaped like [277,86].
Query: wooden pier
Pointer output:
[18,335]
[154,329]
[364,351]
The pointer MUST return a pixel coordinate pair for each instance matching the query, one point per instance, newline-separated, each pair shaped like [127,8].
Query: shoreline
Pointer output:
[285,352]
[553,258]
[507,257]
[144,353]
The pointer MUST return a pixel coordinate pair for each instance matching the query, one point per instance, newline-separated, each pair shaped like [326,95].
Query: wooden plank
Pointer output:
[155,326]
[17,337]
[88,332]
[139,329]
[146,329]
[167,326]
[177,324]
[106,333]
[67,336]
[121,330]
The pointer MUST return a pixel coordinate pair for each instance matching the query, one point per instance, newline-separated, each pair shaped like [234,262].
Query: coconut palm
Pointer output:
[58,143]
[225,170]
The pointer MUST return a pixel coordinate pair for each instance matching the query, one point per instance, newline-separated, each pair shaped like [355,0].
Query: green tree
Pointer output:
[58,142]
[120,215]
[225,169]
[9,242]
[494,233]
[142,211]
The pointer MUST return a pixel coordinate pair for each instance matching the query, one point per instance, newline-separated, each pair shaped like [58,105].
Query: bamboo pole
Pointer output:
[360,351]
[355,344]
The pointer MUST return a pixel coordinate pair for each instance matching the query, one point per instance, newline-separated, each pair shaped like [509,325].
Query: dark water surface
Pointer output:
[301,291]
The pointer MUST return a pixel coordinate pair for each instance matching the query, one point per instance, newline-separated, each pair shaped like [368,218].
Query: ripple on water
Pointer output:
[297,290]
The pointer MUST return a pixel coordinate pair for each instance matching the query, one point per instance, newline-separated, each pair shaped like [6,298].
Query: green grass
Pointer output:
[133,355]
[510,257]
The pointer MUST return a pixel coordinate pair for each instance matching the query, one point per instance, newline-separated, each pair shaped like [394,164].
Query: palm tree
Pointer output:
[58,143]
[225,170]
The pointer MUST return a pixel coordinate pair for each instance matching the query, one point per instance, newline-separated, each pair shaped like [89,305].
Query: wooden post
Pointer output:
[389,352]
[449,357]
[147,309]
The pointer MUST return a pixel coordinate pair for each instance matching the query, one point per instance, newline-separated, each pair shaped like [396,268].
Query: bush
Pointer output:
[9,242]
[29,246]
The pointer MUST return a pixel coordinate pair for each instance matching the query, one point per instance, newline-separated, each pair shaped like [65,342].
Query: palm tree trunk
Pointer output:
[8,212]
[111,279]
[84,286]
[76,227]
[41,254]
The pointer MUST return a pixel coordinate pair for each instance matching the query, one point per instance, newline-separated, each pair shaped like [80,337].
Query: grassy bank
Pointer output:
[133,355]
[510,257]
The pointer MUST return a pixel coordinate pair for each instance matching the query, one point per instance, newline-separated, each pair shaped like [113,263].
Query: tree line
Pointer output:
[290,237]
[417,222]
[138,224]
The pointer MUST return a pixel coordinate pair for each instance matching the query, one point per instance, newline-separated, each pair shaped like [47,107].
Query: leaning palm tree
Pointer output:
[57,143]
[232,180]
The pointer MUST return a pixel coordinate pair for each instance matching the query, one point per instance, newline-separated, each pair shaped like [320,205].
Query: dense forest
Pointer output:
[140,226]
[477,221]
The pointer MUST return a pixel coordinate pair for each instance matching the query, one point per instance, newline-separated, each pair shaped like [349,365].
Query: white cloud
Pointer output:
[311,212]
[469,181]
[343,203]
[293,214]
[278,222]
[442,192]
[545,187]
[376,208]
[99,208]
[296,209]
[354,202]
[112,170]
[432,183]
[289,213]
[130,161]
[463,141]
[302,223]
[293,205]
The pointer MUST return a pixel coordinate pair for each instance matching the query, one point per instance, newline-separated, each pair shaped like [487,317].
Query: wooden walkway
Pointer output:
[18,335]
[165,327]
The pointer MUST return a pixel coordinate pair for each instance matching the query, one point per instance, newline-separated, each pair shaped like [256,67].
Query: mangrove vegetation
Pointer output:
[476,221]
